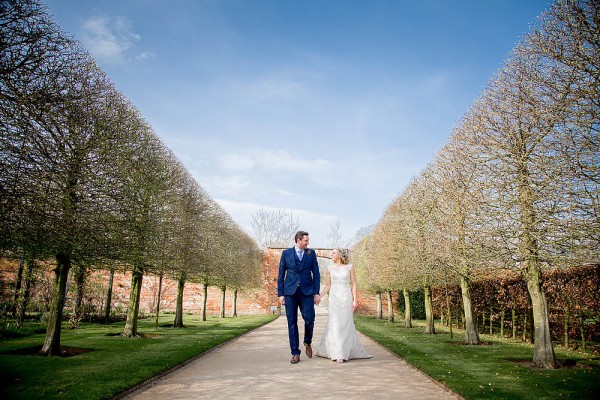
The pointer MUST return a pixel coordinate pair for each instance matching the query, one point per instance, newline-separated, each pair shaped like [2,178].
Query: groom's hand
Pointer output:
[281,300]
[317,299]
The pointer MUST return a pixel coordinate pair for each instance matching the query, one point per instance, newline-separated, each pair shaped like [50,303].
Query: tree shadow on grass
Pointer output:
[474,345]
[139,335]
[564,363]
[35,351]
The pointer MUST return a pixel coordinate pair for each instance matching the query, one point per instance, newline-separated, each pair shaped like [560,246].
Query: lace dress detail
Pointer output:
[340,340]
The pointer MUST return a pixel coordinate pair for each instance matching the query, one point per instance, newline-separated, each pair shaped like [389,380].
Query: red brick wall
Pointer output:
[367,302]
[256,301]
[248,301]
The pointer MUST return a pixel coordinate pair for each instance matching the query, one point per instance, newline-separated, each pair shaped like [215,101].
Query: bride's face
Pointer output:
[335,256]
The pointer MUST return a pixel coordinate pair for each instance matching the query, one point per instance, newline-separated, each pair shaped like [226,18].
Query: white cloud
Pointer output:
[235,162]
[145,56]
[271,160]
[284,192]
[265,88]
[282,160]
[254,174]
[233,185]
[109,38]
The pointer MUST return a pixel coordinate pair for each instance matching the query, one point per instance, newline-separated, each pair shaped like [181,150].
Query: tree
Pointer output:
[566,46]
[187,256]
[457,179]
[83,178]
[144,189]
[274,228]
[34,55]
[422,201]
[247,274]
[334,237]
[517,116]
[58,146]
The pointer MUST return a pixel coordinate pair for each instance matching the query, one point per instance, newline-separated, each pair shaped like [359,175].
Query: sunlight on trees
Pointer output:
[85,179]
[516,186]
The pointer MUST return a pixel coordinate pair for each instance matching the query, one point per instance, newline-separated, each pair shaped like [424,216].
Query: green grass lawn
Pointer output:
[495,370]
[112,363]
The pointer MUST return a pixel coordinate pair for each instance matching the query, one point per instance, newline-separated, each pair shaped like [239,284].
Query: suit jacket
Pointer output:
[293,272]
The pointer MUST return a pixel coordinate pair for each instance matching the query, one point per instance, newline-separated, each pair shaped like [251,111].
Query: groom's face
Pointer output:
[303,243]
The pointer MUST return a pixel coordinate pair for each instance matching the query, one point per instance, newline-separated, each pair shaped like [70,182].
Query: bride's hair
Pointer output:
[344,253]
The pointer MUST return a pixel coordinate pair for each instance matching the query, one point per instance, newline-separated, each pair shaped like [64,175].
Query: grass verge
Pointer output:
[105,363]
[495,370]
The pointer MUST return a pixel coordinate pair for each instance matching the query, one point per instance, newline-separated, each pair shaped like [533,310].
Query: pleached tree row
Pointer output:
[85,180]
[516,187]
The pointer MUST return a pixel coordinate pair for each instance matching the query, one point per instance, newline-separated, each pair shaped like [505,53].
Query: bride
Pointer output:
[340,341]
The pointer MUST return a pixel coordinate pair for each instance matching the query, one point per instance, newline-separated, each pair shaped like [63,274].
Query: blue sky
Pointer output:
[322,108]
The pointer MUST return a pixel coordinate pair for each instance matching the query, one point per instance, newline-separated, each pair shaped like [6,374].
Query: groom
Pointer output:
[298,287]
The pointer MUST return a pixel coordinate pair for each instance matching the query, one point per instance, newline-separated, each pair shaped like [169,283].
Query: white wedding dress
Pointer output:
[340,340]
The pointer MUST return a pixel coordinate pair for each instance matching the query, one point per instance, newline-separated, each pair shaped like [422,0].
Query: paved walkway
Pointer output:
[257,366]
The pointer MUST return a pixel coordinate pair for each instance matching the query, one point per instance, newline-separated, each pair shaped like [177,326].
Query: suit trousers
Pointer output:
[306,303]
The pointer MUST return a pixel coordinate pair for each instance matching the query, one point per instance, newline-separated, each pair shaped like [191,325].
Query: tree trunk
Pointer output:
[223,289]
[111,278]
[449,314]
[430,327]
[442,313]
[23,299]
[79,276]
[134,304]
[471,334]
[235,292]
[525,327]
[582,329]
[204,295]
[18,287]
[483,322]
[531,329]
[379,306]
[390,306]
[407,314]
[502,315]
[566,328]
[543,352]
[514,324]
[51,345]
[178,323]
[160,278]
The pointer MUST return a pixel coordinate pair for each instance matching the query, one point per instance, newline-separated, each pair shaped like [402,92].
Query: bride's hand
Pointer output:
[354,305]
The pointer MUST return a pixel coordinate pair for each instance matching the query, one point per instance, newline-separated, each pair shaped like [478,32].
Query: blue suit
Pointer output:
[299,281]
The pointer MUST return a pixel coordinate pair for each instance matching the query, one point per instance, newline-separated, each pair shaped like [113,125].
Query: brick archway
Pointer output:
[270,269]
[321,252]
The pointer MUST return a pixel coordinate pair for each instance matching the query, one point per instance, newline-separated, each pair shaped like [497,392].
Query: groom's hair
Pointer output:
[299,236]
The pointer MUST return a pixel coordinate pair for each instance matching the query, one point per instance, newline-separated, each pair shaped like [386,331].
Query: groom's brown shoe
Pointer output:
[295,359]
[308,350]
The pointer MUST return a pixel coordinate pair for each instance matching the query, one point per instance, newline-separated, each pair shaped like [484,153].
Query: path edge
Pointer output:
[154,378]
[439,384]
